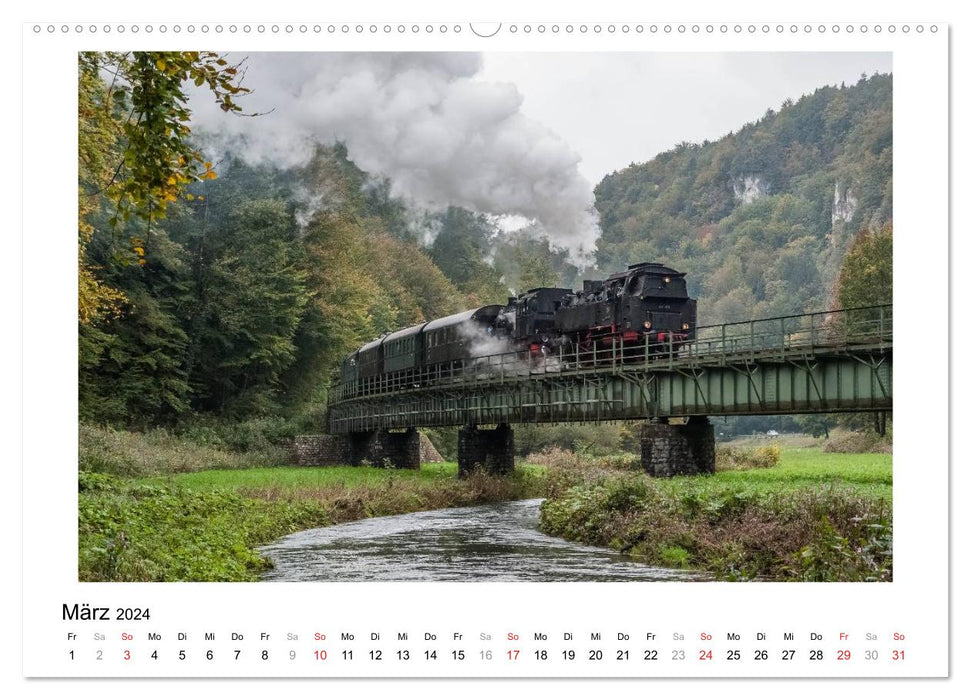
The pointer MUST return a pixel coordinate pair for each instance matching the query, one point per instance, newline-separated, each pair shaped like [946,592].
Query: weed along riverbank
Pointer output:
[804,515]
[206,526]
[153,507]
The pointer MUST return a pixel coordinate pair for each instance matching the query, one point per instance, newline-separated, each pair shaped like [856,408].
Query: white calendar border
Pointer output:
[50,411]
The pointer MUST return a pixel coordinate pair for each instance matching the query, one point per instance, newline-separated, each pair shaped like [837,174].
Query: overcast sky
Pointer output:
[618,108]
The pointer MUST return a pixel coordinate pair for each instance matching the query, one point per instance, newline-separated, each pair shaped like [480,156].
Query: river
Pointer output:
[495,542]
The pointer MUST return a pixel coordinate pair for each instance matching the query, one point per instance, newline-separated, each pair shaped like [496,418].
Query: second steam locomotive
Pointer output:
[646,305]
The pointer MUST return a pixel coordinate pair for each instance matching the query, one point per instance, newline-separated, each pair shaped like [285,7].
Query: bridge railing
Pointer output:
[780,338]
[783,335]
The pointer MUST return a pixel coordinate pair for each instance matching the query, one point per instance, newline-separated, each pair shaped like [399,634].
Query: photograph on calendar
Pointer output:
[485,316]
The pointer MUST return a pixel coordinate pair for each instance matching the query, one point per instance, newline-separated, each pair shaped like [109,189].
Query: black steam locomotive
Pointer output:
[646,305]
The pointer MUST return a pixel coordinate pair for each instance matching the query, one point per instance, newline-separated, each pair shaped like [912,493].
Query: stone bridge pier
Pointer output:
[401,449]
[673,450]
[491,450]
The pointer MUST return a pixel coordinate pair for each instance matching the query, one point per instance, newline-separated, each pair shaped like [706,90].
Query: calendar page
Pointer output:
[489,345]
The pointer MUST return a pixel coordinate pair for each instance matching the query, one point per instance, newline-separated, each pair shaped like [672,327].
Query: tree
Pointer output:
[131,365]
[134,147]
[460,250]
[816,424]
[535,271]
[99,140]
[250,296]
[866,277]
[345,308]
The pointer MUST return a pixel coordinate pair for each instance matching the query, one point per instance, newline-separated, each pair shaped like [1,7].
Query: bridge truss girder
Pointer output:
[860,381]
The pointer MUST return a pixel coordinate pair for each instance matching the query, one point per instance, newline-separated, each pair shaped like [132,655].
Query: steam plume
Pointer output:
[441,136]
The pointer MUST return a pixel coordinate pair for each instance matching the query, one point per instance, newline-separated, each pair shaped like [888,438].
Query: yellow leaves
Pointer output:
[158,158]
[96,300]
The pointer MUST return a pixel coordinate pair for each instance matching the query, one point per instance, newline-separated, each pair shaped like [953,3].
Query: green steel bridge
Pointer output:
[822,362]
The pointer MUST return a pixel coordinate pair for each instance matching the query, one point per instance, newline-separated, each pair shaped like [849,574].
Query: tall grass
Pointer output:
[734,457]
[791,522]
[109,450]
[856,442]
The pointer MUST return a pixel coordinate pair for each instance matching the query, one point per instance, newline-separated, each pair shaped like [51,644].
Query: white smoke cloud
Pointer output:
[423,120]
[494,354]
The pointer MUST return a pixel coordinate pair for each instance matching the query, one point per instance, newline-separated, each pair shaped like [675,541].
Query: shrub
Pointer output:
[625,494]
[621,462]
[676,557]
[818,533]
[731,457]
[858,443]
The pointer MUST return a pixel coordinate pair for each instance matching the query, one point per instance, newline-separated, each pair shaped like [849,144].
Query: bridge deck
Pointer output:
[821,362]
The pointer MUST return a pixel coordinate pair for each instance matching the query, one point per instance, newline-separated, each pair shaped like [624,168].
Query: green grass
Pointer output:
[300,478]
[310,482]
[867,474]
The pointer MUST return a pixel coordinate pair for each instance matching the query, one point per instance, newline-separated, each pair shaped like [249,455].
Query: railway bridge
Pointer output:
[823,362]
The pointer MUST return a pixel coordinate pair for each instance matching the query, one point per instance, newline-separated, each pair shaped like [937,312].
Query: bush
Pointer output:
[247,435]
[169,534]
[621,462]
[730,457]
[858,443]
[820,533]
[625,494]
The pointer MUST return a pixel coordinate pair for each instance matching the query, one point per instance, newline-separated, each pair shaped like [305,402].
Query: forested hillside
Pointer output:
[251,291]
[762,218]
[234,290]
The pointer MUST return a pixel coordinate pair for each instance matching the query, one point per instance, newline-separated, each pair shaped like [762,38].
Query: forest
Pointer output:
[762,218]
[213,288]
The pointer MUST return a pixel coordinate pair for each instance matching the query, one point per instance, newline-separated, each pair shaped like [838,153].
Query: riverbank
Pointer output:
[206,525]
[814,516]
[164,506]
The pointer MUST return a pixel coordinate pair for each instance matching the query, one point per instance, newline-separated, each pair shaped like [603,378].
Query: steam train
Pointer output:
[645,305]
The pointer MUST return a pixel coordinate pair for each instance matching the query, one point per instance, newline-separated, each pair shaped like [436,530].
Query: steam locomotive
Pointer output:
[645,305]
